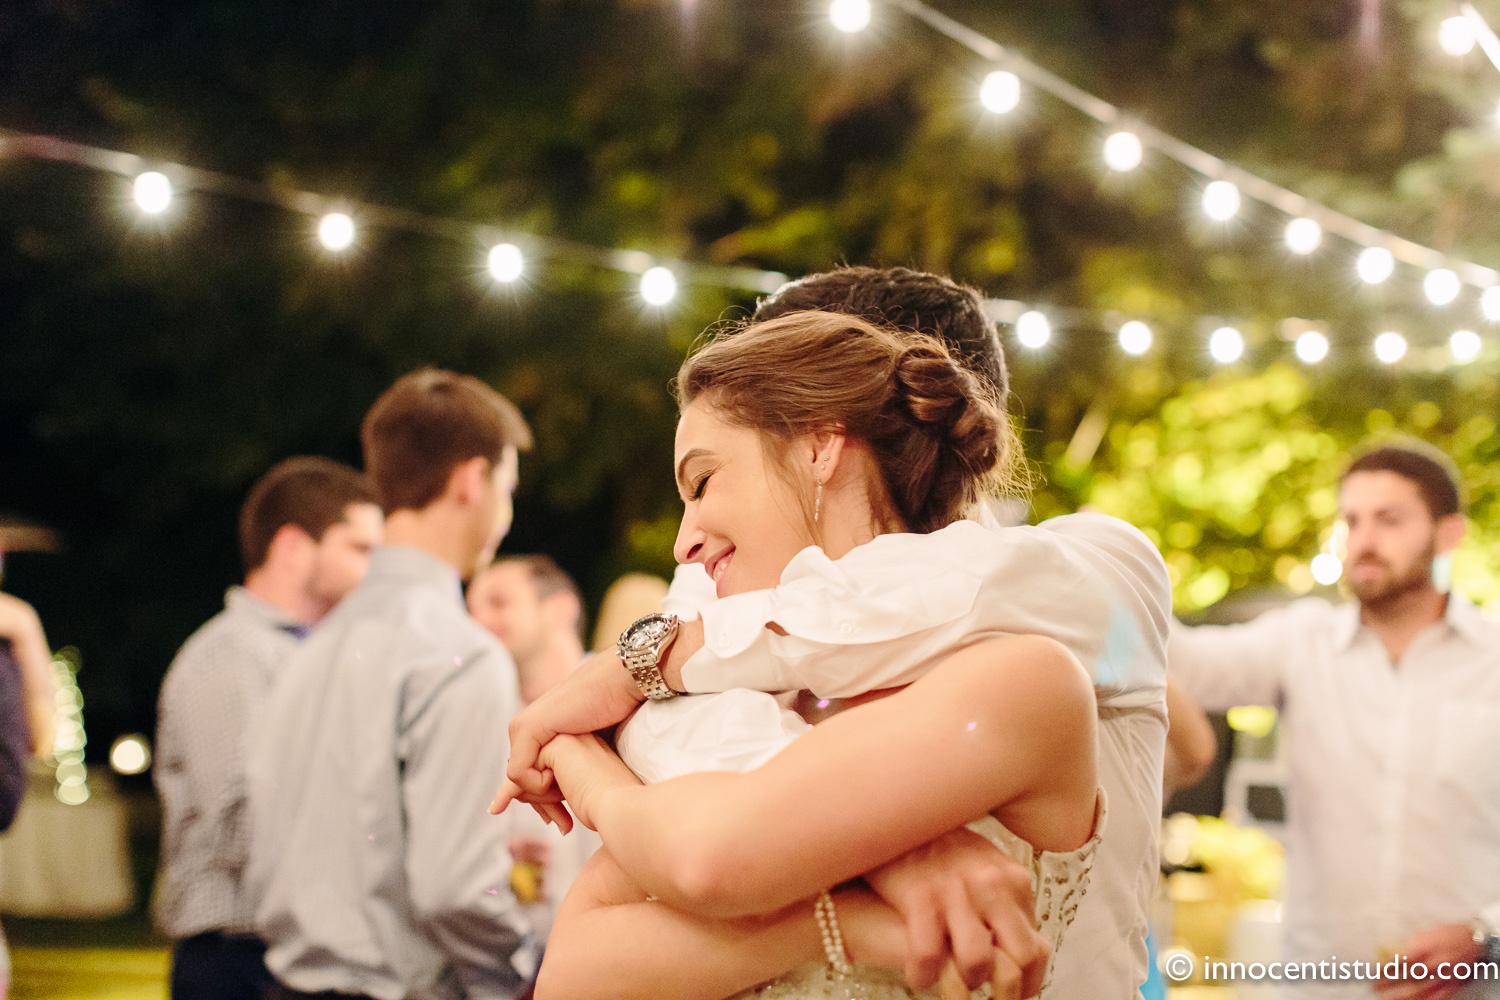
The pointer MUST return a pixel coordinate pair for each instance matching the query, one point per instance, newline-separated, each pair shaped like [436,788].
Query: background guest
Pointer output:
[630,597]
[536,611]
[1391,727]
[306,532]
[377,871]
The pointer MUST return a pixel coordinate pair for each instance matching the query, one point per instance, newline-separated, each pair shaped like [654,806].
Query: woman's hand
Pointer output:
[583,768]
[874,934]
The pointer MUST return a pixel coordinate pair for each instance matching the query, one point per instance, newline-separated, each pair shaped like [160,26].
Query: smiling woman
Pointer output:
[845,429]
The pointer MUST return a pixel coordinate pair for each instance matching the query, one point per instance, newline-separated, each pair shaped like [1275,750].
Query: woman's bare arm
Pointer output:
[21,626]
[610,943]
[1006,723]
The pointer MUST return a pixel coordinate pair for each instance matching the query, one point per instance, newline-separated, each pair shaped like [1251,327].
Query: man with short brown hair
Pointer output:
[306,531]
[375,867]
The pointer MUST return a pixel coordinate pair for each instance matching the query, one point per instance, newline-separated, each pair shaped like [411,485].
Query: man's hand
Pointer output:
[962,889]
[1451,943]
[597,695]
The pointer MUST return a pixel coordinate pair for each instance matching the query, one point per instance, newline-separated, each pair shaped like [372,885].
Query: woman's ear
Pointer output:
[827,450]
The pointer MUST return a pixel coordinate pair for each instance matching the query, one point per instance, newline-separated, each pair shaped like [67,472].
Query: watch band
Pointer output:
[641,647]
[645,666]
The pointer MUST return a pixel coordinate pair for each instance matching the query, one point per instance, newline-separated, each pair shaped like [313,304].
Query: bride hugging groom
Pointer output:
[965,794]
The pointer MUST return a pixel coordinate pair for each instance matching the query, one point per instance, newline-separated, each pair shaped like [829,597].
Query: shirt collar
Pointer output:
[405,564]
[1468,621]
[241,601]
[1461,616]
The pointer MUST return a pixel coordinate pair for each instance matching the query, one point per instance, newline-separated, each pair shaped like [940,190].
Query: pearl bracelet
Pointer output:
[833,940]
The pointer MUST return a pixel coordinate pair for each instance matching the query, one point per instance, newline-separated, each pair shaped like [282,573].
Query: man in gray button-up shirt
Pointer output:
[377,869]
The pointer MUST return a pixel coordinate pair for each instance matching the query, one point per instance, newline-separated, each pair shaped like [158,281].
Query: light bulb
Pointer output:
[1303,236]
[1464,345]
[1000,92]
[336,231]
[1374,265]
[1122,151]
[1033,328]
[1221,200]
[130,754]
[1326,568]
[658,286]
[1135,337]
[1441,286]
[152,192]
[1226,345]
[1456,36]
[1489,304]
[1311,347]
[849,16]
[506,262]
[1390,347]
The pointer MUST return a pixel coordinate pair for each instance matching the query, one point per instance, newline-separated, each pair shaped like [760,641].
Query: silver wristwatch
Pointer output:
[641,647]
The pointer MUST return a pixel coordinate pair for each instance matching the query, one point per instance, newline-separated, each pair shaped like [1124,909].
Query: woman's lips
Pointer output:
[720,565]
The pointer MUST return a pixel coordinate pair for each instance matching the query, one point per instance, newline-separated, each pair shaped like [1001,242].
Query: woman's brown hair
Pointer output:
[936,433]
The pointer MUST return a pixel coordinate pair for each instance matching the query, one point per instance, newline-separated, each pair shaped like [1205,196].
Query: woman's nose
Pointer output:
[689,545]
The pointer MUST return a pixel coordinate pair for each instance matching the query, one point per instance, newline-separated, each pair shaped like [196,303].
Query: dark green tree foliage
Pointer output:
[148,373]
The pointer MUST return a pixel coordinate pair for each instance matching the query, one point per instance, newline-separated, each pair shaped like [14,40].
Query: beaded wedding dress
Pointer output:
[1058,880]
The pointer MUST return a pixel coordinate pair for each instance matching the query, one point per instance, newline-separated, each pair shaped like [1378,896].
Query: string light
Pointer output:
[1311,347]
[1374,265]
[1226,345]
[1033,329]
[1441,286]
[336,231]
[506,262]
[1000,92]
[849,16]
[1464,345]
[152,192]
[130,754]
[1390,347]
[1456,36]
[1326,568]
[1221,201]
[1122,151]
[1489,304]
[1303,236]
[1135,338]
[658,286]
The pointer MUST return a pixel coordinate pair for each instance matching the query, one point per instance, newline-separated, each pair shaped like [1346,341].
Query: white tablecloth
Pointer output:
[67,861]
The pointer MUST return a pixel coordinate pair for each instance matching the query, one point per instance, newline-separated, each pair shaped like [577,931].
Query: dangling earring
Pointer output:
[818,496]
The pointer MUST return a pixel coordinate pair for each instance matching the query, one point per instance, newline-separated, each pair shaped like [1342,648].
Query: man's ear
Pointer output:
[467,480]
[1451,529]
[290,546]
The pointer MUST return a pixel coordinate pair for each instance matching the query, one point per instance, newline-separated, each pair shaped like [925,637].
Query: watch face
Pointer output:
[647,632]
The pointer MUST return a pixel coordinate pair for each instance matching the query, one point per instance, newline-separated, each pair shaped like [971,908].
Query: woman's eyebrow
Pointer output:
[682,463]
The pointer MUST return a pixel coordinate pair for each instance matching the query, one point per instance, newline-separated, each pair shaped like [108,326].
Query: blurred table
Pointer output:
[67,861]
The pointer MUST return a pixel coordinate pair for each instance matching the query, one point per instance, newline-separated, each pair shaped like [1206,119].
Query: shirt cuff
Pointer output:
[731,627]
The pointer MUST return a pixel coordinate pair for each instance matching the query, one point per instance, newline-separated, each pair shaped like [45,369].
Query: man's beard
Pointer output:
[1387,590]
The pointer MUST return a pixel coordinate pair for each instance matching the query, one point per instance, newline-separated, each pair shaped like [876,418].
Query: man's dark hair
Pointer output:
[911,300]
[549,578]
[1433,473]
[426,425]
[310,492]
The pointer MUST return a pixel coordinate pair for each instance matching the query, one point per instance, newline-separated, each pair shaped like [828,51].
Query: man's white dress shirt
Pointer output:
[210,697]
[1393,770]
[374,864]
[887,611]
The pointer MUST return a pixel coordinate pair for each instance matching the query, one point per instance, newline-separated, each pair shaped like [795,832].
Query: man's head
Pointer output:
[309,525]
[1403,507]
[444,446]
[910,300]
[527,602]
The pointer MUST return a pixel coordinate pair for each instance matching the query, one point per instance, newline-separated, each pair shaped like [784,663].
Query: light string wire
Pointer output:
[1195,159]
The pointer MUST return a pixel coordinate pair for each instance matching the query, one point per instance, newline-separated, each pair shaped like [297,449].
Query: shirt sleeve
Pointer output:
[15,737]
[201,739]
[880,615]
[1221,666]
[453,751]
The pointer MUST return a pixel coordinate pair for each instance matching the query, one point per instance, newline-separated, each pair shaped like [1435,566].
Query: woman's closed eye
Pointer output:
[699,486]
